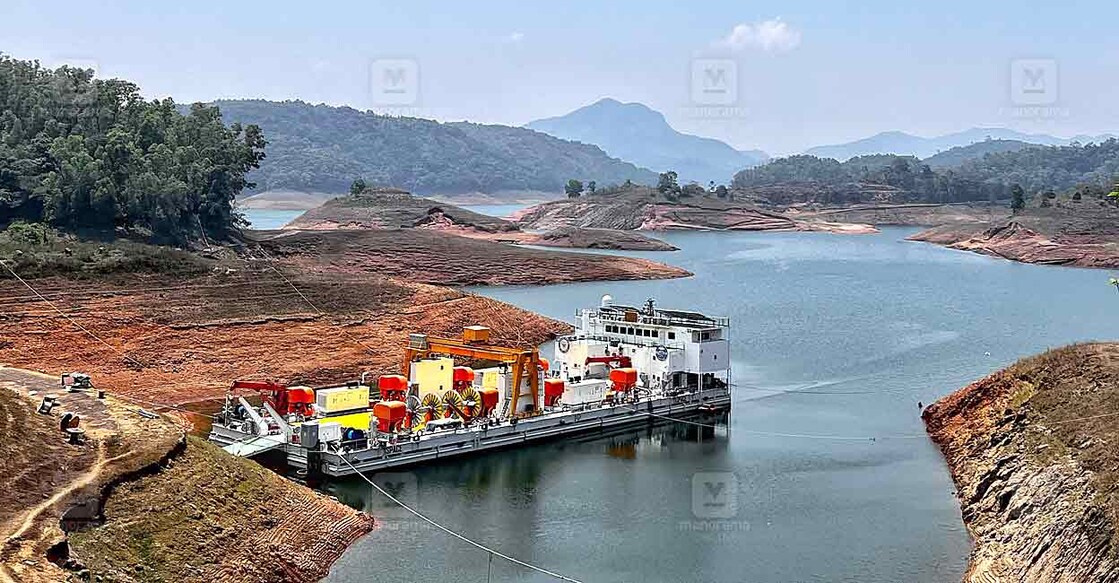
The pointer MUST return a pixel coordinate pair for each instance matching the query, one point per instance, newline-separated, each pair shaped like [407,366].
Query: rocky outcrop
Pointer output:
[443,259]
[390,208]
[645,209]
[577,238]
[1031,450]
[921,215]
[1046,238]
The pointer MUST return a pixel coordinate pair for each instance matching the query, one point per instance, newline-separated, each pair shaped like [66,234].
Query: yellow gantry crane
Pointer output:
[475,344]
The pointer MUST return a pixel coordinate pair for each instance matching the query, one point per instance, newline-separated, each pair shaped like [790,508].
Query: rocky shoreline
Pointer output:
[1016,241]
[643,209]
[1032,452]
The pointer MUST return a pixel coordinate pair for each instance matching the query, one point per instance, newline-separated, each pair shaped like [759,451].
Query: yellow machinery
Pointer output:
[474,344]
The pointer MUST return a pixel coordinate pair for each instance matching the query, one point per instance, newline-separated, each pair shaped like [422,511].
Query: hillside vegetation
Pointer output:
[322,148]
[961,154]
[1089,168]
[90,154]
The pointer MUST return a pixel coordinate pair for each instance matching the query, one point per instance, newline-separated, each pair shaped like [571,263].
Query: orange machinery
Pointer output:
[475,344]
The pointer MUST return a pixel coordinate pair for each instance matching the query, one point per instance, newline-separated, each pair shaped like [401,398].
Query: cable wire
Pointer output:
[779,434]
[71,320]
[478,545]
[411,510]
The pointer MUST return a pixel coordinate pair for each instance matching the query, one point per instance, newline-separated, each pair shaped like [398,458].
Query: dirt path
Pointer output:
[16,546]
[42,474]
[82,481]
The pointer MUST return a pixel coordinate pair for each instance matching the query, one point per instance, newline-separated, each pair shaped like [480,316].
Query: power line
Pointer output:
[808,391]
[71,320]
[411,510]
[779,434]
[492,552]
[478,545]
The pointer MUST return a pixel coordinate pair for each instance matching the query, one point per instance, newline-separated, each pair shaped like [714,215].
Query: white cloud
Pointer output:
[515,37]
[769,35]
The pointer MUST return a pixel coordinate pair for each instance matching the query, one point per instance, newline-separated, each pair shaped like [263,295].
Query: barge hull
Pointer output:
[440,446]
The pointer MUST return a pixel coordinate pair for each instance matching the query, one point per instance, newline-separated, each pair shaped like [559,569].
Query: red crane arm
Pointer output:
[258,385]
[622,360]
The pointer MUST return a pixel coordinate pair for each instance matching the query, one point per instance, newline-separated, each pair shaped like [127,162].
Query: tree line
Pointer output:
[88,154]
[668,184]
[1085,169]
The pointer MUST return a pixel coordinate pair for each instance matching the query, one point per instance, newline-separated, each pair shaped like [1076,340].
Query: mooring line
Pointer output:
[779,434]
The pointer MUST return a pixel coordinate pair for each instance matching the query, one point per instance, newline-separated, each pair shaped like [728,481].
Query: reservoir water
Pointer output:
[827,472]
[265,219]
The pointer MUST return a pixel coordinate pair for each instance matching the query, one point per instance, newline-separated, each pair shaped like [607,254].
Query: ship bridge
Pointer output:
[670,348]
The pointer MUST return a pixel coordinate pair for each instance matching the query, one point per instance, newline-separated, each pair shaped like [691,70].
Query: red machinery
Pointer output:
[489,398]
[553,390]
[613,361]
[391,415]
[282,398]
[462,377]
[624,379]
[392,387]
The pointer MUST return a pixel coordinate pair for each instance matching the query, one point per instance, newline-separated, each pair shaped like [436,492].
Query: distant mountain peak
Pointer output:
[901,143]
[608,106]
[636,133]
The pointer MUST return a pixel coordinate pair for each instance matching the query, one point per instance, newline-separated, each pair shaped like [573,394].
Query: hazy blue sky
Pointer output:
[808,73]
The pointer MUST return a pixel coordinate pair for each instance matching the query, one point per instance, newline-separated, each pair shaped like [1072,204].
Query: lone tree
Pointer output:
[721,191]
[667,183]
[1017,198]
[573,188]
[591,187]
[358,186]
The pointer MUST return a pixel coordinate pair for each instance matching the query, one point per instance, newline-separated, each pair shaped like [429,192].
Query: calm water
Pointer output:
[832,336]
[269,218]
[496,210]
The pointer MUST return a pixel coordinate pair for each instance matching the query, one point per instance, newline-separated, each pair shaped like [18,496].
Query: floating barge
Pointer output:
[622,366]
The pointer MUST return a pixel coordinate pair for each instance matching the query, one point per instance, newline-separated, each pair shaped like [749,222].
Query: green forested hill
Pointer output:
[961,154]
[91,154]
[1091,168]
[323,148]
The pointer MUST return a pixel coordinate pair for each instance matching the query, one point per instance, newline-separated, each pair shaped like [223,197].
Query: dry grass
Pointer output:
[212,517]
[1074,409]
